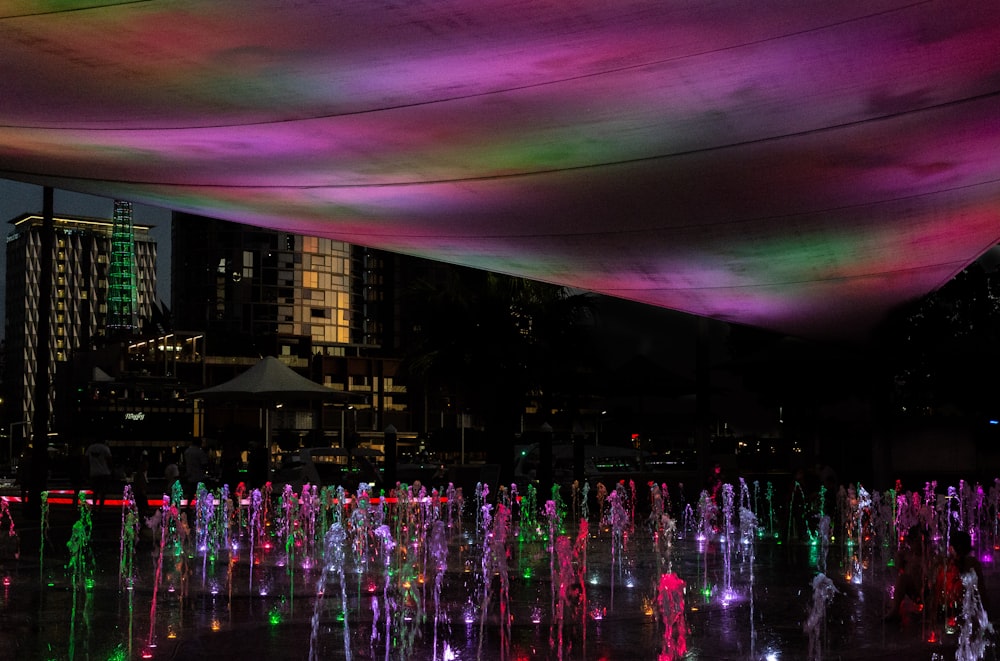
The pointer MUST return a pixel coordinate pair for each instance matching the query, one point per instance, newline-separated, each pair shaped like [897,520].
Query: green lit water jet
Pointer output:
[43,533]
[80,568]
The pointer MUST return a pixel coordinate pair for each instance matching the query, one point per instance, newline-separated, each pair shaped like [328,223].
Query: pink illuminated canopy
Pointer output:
[798,166]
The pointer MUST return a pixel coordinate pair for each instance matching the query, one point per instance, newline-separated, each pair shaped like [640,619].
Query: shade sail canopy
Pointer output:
[798,166]
[270,380]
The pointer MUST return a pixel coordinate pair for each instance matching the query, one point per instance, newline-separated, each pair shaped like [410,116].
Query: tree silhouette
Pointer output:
[485,343]
[940,351]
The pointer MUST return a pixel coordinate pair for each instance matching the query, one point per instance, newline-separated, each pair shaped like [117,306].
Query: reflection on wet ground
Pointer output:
[308,576]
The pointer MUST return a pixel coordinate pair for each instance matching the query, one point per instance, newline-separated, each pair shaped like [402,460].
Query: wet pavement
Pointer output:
[748,601]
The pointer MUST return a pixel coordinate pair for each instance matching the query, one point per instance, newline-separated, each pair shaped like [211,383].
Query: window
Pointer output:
[310,279]
[247,264]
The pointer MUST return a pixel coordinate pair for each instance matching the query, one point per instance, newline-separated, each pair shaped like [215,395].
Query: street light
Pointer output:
[343,426]
[10,440]
[600,423]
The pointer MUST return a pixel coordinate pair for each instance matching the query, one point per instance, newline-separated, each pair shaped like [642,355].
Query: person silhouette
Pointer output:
[99,460]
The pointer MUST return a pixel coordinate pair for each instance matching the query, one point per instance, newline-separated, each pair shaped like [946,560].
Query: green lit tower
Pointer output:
[122,316]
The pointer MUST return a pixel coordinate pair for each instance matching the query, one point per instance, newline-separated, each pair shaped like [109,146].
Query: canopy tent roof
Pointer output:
[798,166]
[268,380]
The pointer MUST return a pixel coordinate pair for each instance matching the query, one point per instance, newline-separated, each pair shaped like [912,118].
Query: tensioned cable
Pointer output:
[867,275]
[502,90]
[957,265]
[709,223]
[546,171]
[68,10]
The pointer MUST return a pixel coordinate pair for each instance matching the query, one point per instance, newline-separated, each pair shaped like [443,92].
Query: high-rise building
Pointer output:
[324,307]
[259,291]
[82,253]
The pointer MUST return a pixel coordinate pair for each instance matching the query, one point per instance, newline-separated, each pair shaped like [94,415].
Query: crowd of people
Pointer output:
[103,470]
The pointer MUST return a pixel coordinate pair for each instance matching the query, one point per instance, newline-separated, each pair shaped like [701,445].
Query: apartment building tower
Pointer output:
[82,254]
[324,307]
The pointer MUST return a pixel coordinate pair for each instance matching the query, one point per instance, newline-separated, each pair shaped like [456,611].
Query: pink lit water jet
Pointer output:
[400,569]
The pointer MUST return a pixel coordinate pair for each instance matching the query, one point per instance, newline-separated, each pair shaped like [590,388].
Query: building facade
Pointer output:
[257,291]
[78,320]
[326,308]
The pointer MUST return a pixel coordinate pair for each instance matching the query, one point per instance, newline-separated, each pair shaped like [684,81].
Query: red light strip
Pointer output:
[68,497]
